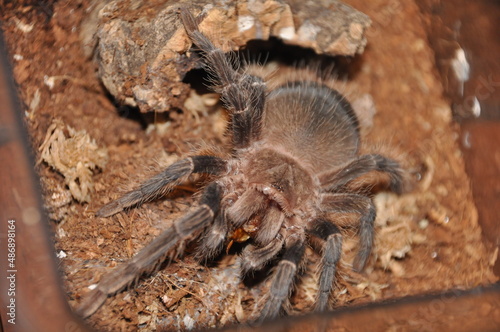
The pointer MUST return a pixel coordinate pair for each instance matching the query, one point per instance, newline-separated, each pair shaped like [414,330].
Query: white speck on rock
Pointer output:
[245,23]
[308,31]
[287,33]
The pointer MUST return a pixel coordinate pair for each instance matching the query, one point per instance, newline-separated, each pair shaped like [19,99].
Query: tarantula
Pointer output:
[295,153]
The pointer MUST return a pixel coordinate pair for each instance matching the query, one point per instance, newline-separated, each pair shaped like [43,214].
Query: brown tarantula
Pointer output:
[295,155]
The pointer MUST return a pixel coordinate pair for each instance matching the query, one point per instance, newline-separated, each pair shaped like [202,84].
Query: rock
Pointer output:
[142,49]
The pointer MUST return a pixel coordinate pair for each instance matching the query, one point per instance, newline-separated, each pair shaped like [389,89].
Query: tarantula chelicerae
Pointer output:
[295,155]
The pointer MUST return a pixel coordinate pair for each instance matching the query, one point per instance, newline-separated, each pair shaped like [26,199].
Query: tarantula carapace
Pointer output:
[295,154]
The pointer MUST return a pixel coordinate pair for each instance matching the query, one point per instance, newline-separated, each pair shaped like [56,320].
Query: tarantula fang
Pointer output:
[295,152]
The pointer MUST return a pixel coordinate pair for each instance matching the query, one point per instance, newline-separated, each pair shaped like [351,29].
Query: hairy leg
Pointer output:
[155,252]
[362,205]
[212,242]
[163,182]
[335,179]
[329,241]
[283,276]
[243,94]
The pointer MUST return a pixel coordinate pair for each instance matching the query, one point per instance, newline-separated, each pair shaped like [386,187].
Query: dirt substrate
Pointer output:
[427,239]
